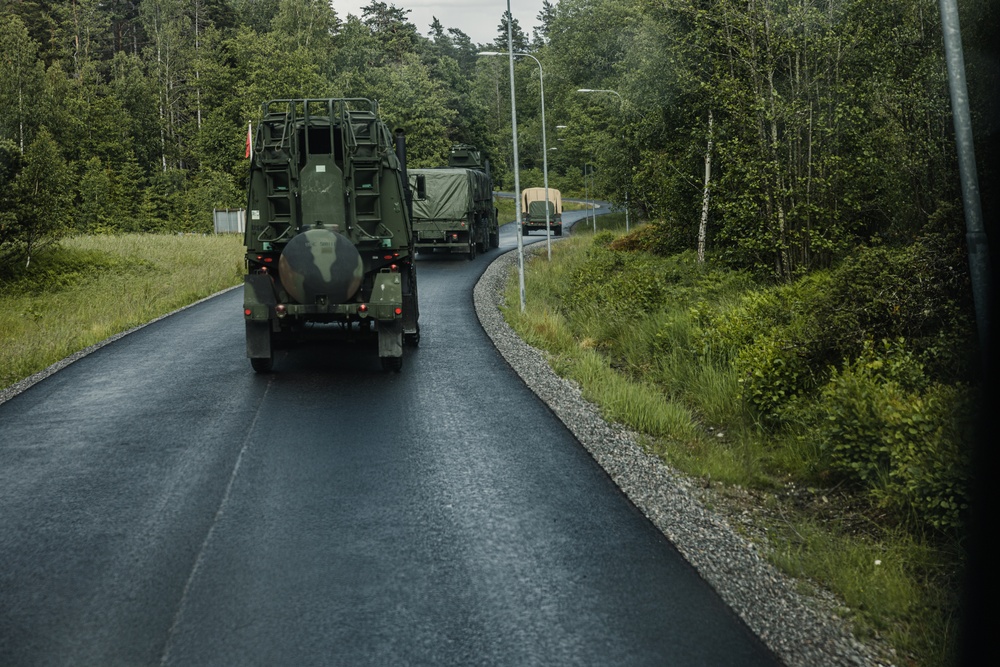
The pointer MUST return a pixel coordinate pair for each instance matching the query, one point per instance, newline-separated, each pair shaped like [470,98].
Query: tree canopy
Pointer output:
[831,121]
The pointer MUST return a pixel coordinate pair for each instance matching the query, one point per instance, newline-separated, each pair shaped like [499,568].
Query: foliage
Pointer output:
[881,423]
[920,292]
[620,284]
[861,379]
[37,204]
[148,111]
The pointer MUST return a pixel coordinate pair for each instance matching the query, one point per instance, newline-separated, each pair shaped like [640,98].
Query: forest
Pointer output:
[827,122]
[789,140]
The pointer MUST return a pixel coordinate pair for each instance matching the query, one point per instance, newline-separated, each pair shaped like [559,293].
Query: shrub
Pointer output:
[653,238]
[773,372]
[883,425]
[781,358]
[928,437]
[604,238]
[919,292]
[620,284]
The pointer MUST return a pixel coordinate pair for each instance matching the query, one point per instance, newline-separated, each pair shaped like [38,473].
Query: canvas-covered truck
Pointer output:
[453,210]
[533,205]
[328,233]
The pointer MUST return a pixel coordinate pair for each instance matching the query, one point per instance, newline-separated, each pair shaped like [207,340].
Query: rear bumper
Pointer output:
[260,303]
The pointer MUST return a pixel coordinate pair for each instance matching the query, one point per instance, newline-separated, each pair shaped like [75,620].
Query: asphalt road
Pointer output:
[162,504]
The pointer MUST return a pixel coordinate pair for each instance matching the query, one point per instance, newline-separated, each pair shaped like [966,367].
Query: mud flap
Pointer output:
[259,300]
[259,339]
[390,338]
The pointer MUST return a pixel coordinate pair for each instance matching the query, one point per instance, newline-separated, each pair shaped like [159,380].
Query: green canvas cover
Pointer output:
[451,194]
[530,195]
[536,209]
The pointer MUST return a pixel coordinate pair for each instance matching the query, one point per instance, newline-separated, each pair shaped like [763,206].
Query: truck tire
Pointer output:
[392,363]
[262,364]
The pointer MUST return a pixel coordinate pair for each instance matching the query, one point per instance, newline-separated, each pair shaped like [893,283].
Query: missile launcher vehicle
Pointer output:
[328,234]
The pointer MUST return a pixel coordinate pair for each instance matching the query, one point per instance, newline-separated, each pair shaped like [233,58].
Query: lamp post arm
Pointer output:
[545,148]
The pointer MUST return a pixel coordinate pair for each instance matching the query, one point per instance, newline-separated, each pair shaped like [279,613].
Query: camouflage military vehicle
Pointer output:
[453,206]
[328,233]
[533,205]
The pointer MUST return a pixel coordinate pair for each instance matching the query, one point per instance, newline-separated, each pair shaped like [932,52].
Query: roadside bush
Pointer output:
[919,292]
[781,357]
[929,435]
[773,372]
[882,425]
[622,285]
[653,238]
[58,267]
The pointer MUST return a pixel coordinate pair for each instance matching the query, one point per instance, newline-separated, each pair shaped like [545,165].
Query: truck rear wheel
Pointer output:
[392,363]
[262,364]
[412,338]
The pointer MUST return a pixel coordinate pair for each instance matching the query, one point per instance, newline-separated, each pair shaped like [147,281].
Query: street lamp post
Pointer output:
[593,195]
[517,173]
[621,102]
[545,151]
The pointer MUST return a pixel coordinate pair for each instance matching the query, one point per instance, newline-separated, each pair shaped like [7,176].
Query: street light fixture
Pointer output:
[545,152]
[621,101]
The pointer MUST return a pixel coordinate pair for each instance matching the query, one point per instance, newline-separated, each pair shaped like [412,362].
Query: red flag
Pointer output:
[249,142]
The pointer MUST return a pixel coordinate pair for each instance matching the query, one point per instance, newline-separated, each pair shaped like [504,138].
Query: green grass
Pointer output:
[505,209]
[668,374]
[893,585]
[91,287]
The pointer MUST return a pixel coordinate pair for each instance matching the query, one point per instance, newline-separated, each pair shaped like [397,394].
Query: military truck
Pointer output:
[453,206]
[533,205]
[328,233]
[453,210]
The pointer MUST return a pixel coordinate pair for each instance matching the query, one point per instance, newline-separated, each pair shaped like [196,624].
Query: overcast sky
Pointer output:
[479,19]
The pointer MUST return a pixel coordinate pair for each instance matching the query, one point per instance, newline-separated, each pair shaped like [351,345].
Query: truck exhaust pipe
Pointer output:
[401,156]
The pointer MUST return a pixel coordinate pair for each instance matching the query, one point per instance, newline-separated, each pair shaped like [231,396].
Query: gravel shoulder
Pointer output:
[804,631]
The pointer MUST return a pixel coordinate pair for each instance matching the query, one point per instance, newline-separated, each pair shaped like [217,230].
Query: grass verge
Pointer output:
[88,288]
[657,372]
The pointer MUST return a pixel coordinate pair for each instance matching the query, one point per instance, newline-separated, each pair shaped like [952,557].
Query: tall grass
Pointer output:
[91,287]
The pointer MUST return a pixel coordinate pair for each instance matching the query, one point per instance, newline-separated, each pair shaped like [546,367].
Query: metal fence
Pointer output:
[229,220]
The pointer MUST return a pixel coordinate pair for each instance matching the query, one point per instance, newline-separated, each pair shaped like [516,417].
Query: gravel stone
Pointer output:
[804,631]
